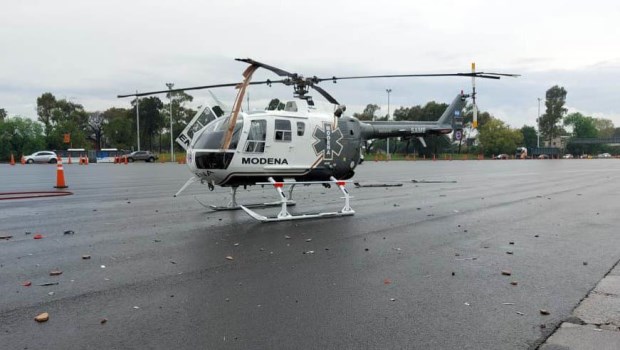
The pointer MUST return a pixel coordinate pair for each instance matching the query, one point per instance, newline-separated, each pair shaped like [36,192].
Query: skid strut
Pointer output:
[284,214]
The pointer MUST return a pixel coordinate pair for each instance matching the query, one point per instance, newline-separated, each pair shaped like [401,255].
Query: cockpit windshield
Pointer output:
[212,135]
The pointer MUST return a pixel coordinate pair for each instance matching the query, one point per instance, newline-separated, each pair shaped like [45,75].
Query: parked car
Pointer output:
[584,156]
[146,156]
[501,156]
[543,156]
[604,155]
[567,156]
[42,157]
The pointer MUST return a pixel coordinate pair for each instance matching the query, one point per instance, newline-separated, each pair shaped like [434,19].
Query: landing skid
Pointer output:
[233,205]
[284,215]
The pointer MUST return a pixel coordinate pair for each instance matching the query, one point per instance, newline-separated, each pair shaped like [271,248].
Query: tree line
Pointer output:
[116,127]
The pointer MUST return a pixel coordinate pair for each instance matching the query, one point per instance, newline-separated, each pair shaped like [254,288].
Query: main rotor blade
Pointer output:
[477,75]
[500,74]
[324,93]
[278,71]
[268,82]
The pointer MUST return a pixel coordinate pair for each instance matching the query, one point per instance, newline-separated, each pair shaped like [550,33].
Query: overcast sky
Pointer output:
[91,51]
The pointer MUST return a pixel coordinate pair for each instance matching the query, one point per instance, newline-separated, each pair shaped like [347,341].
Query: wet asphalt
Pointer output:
[417,267]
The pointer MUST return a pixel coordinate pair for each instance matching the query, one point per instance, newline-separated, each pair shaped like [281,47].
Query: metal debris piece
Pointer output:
[466,304]
[397,249]
[514,283]
[6,237]
[287,237]
[432,182]
[585,263]
[520,313]
[69,232]
[42,317]
[236,244]
[509,252]
[103,321]
[453,274]
[230,258]
[536,236]
[511,243]
[309,240]
[85,257]
[358,185]
[309,252]
[103,266]
[49,284]
[55,273]
[136,307]
[508,303]
[544,312]
[392,299]
[157,240]
[50,293]
[506,273]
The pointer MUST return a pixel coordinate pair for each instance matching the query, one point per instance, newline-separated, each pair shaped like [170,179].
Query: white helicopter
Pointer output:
[300,145]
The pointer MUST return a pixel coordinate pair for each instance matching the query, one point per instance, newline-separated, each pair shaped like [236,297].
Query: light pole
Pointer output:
[170,85]
[388,118]
[538,124]
[138,119]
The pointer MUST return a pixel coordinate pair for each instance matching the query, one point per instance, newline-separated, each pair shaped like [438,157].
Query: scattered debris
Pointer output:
[230,258]
[466,304]
[397,249]
[38,236]
[506,273]
[69,232]
[28,232]
[509,252]
[287,237]
[103,321]
[157,240]
[103,266]
[392,299]
[514,283]
[365,249]
[309,252]
[6,237]
[85,257]
[42,317]
[585,263]
[544,312]
[508,303]
[49,284]
[543,326]
[387,281]
[173,262]
[472,258]
[453,273]
[55,273]
[136,307]
[236,244]
[27,284]
[511,243]
[357,184]
[396,205]
[536,236]
[520,313]
[309,240]
[50,293]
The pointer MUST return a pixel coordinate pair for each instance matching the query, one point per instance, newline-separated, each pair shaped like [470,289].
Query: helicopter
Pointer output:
[303,144]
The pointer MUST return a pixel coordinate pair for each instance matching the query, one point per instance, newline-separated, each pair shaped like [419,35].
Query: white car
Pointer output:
[567,156]
[42,157]
[604,155]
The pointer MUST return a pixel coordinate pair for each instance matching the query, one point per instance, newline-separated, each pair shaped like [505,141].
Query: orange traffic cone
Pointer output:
[12,159]
[60,175]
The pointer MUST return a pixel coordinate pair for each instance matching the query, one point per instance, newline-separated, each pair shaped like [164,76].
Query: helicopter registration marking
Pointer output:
[270,161]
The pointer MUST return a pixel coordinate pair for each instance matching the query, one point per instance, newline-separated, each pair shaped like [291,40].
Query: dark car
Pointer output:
[142,155]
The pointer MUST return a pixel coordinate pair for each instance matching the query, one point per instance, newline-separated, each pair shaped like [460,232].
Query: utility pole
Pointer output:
[138,118]
[388,118]
[170,85]
[538,124]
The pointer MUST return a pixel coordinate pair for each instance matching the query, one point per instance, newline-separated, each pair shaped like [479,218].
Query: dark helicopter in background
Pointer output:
[302,144]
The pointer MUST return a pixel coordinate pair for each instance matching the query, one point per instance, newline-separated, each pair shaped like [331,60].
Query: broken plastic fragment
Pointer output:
[229,258]
[27,284]
[69,232]
[38,236]
[506,273]
[55,273]
[85,257]
[544,312]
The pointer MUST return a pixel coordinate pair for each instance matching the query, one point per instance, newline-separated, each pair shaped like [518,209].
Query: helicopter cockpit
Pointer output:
[207,144]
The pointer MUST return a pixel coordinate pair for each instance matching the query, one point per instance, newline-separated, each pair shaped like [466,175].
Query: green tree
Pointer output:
[550,121]
[368,113]
[3,114]
[118,128]
[583,127]
[530,137]
[152,121]
[275,104]
[496,137]
[483,117]
[605,127]
[45,105]
[20,136]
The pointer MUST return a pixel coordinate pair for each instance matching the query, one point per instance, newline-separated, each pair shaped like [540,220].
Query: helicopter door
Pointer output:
[256,137]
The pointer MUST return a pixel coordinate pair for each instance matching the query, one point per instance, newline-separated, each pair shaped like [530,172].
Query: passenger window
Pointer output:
[256,137]
[301,127]
[283,130]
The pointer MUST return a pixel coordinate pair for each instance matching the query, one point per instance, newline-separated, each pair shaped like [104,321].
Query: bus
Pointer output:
[72,155]
[107,155]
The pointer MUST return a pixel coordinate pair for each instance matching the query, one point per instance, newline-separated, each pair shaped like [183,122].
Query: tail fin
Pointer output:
[454,109]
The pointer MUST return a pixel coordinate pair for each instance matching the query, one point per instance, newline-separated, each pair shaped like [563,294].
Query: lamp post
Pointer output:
[538,123]
[388,118]
[170,85]
[138,119]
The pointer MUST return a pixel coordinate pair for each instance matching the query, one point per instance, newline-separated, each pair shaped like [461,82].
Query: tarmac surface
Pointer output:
[417,267]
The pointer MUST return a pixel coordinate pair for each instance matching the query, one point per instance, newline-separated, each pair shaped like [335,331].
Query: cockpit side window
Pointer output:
[301,127]
[256,136]
[283,130]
